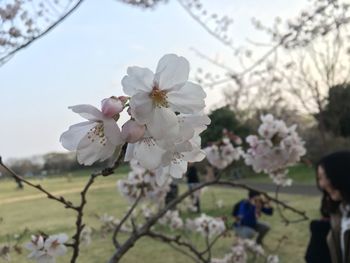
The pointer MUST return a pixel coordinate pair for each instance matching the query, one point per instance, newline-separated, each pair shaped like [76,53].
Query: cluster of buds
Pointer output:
[45,249]
[276,148]
[165,122]
[206,225]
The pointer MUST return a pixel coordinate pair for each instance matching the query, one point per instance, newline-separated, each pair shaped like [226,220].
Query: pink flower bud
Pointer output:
[132,131]
[111,106]
[124,99]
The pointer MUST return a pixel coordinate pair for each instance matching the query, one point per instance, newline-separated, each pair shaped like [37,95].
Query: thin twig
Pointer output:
[177,240]
[59,199]
[126,216]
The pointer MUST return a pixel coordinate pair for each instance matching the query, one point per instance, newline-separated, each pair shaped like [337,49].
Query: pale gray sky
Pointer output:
[84,59]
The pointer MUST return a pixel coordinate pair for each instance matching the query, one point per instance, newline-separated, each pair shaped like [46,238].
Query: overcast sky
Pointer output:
[84,59]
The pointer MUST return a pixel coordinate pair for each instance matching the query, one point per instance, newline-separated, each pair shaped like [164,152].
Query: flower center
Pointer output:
[97,133]
[159,97]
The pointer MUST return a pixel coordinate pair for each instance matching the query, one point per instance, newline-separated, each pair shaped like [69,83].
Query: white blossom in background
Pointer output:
[172,219]
[206,225]
[46,249]
[219,203]
[272,259]
[222,154]
[240,250]
[276,148]
[148,210]
[109,223]
[85,236]
[142,182]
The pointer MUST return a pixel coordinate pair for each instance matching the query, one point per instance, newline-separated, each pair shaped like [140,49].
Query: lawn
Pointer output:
[301,174]
[21,209]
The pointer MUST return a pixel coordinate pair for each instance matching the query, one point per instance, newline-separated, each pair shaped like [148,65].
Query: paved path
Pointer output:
[298,189]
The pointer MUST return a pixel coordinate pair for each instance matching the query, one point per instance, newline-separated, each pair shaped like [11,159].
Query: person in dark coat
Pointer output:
[317,250]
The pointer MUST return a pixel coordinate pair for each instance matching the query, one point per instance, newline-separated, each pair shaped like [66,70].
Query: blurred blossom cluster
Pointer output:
[166,119]
[276,148]
[143,182]
[109,223]
[172,219]
[206,225]
[223,153]
[239,253]
[45,249]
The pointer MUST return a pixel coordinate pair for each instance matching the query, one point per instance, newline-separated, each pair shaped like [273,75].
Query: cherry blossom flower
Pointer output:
[156,97]
[46,249]
[95,139]
[169,157]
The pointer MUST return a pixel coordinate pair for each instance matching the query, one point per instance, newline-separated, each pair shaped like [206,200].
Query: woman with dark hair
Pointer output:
[333,176]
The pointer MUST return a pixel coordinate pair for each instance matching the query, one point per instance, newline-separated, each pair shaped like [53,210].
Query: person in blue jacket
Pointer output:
[246,214]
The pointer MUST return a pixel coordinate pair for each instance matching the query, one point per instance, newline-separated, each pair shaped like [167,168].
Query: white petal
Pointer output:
[163,123]
[129,154]
[63,238]
[59,251]
[148,154]
[141,107]
[178,169]
[112,131]
[89,151]
[138,79]
[172,72]
[161,176]
[88,112]
[188,99]
[184,147]
[71,138]
[196,155]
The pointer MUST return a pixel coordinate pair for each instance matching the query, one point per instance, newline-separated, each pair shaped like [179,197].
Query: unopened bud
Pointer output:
[111,106]
[132,131]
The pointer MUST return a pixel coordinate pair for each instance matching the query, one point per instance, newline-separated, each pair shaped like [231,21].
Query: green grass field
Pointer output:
[21,209]
[301,174]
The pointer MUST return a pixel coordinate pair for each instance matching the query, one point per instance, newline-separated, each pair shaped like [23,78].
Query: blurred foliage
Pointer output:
[337,111]
[223,118]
